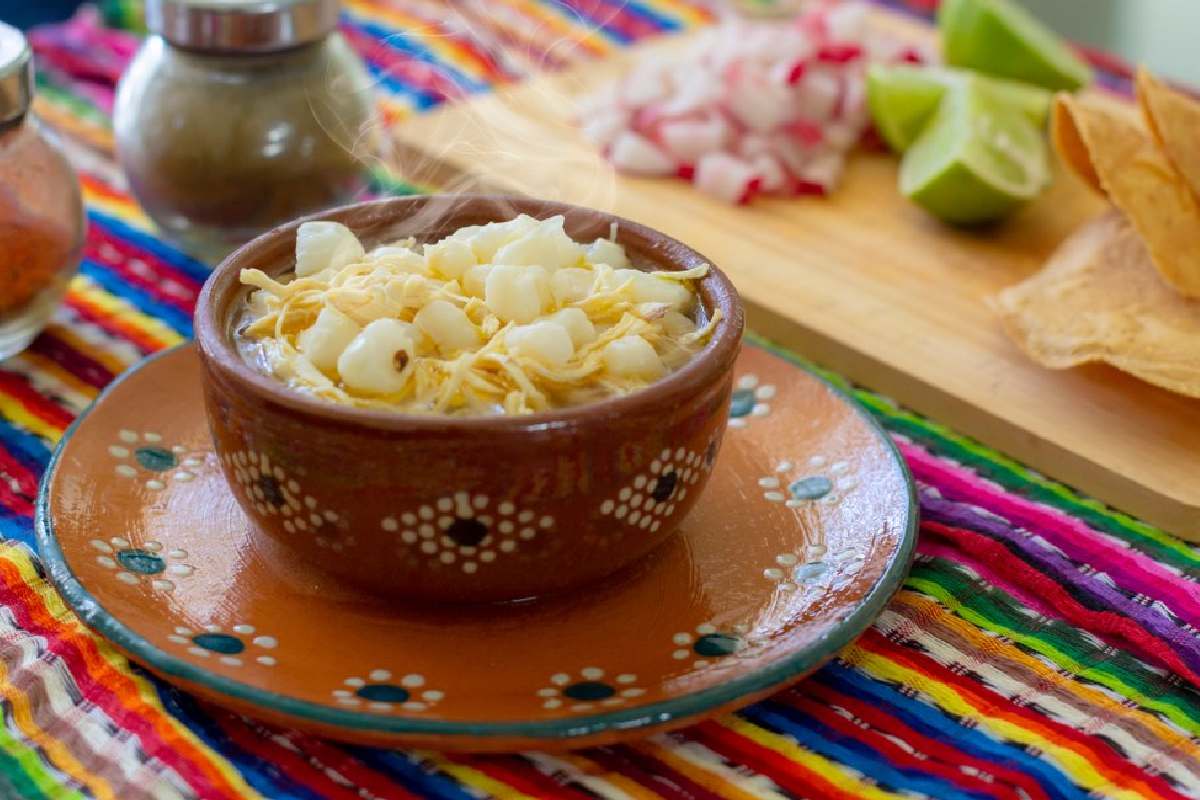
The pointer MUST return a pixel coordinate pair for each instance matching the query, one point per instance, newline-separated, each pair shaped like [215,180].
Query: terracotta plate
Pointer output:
[806,530]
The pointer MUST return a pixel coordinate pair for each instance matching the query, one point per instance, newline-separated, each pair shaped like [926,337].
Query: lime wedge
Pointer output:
[1024,98]
[1000,38]
[904,98]
[977,160]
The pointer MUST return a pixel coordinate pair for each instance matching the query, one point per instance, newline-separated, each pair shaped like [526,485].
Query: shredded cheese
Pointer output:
[371,326]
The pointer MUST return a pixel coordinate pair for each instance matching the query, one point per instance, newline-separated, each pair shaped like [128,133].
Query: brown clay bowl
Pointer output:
[465,509]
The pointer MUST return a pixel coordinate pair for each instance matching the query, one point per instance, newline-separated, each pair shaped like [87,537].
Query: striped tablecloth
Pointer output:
[1043,646]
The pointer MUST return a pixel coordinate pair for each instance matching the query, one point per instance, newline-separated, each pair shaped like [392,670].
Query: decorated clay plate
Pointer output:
[805,531]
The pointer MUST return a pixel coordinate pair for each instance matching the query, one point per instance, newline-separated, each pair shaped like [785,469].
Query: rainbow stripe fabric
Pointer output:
[1044,646]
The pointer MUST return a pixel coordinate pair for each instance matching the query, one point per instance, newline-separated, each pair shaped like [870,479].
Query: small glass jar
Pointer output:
[235,117]
[41,212]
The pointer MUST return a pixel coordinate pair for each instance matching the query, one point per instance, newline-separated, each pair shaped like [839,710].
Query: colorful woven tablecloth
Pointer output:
[1043,647]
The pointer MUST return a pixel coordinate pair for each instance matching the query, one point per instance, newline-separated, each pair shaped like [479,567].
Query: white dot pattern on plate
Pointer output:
[589,689]
[751,399]
[383,692]
[231,647]
[144,564]
[142,456]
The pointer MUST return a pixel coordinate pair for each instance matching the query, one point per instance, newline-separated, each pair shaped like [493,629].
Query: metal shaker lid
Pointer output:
[241,26]
[16,74]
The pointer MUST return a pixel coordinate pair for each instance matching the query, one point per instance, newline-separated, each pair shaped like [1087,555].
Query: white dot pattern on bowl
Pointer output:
[651,496]
[273,493]
[465,531]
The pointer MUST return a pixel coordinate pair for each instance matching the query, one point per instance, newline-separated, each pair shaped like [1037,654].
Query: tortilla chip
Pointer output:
[1140,181]
[1099,298]
[1174,119]
[1071,148]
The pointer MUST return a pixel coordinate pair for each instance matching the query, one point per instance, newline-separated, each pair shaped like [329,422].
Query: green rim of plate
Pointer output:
[778,674]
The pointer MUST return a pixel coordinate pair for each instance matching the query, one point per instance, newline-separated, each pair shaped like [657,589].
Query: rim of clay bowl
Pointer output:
[682,707]
[213,318]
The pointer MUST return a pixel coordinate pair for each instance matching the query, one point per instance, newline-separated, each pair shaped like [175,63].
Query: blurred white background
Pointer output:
[1163,34]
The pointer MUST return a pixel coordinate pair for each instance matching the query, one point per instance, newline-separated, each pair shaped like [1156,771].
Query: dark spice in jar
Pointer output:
[224,140]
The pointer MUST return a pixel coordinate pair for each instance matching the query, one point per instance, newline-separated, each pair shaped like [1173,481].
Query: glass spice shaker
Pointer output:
[41,211]
[238,115]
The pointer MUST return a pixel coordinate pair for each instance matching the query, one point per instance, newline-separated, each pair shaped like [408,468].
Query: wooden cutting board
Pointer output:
[864,283]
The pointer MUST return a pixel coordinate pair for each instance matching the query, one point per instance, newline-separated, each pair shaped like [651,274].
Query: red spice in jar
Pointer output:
[42,219]
[32,254]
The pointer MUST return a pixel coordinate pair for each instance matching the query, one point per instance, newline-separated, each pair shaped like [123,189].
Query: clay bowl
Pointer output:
[465,509]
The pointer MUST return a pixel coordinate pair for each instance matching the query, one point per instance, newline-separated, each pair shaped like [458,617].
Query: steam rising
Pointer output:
[468,150]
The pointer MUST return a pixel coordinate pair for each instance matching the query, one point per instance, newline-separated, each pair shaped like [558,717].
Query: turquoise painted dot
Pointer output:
[141,561]
[382,693]
[717,644]
[813,488]
[155,459]
[219,643]
[742,403]
[589,690]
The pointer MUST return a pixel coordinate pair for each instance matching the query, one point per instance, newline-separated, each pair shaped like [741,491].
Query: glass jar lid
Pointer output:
[16,74]
[241,26]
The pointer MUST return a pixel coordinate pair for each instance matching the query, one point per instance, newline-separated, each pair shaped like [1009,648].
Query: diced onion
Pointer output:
[754,107]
